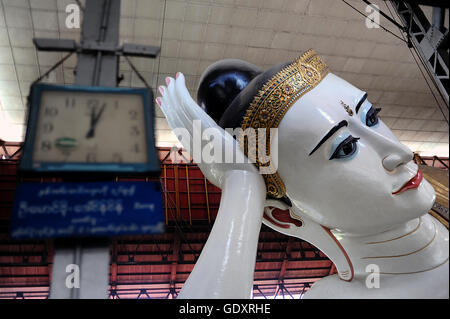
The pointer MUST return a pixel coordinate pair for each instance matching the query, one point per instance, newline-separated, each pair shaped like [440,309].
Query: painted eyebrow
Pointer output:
[361,102]
[329,134]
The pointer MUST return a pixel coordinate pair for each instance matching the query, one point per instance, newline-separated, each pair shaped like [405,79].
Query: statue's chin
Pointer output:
[407,206]
[420,203]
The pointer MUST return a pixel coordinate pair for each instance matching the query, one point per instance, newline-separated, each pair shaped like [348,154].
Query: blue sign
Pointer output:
[50,210]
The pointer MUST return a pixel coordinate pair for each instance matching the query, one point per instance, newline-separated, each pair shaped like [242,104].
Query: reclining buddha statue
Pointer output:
[337,177]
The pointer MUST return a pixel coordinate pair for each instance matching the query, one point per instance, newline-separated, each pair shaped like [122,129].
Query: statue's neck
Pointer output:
[417,246]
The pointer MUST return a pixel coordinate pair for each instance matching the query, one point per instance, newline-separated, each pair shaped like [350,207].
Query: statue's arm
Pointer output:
[226,265]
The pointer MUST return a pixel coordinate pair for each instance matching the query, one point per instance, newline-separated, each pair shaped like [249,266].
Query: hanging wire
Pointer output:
[177,226]
[135,70]
[57,64]
[389,31]
[161,40]
[415,50]
[159,60]
[80,5]
[159,249]
[423,75]
[53,68]
[185,223]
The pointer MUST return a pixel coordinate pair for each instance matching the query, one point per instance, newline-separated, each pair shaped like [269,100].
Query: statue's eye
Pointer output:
[372,116]
[346,148]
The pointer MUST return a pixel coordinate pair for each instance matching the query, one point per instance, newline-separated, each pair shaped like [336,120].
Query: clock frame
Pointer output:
[29,164]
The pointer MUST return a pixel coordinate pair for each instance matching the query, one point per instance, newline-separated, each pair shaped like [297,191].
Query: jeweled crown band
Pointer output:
[274,99]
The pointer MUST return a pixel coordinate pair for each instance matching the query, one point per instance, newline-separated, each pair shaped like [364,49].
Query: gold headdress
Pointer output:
[275,98]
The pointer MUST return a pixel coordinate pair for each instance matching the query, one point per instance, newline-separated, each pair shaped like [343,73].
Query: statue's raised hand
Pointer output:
[195,129]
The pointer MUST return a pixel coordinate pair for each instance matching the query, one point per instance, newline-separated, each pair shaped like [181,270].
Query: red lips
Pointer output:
[411,184]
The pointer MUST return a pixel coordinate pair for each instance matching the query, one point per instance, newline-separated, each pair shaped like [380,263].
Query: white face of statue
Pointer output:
[348,171]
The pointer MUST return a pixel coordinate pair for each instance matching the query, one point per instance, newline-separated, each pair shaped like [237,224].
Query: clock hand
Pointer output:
[94,120]
[90,133]
[99,114]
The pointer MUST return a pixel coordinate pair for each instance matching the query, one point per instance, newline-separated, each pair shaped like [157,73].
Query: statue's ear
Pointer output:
[281,203]
[277,214]
[277,203]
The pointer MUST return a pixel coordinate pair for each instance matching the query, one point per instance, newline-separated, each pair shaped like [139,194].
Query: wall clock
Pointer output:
[74,129]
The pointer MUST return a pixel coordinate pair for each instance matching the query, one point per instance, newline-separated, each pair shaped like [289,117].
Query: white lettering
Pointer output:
[73,279]
[73,17]
[373,279]
[373,18]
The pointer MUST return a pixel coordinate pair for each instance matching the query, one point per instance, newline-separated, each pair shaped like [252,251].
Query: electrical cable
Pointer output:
[389,31]
[161,40]
[137,73]
[52,68]
[47,73]
[423,63]
[177,226]
[80,5]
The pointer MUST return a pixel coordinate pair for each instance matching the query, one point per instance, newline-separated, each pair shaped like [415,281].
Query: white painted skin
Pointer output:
[351,196]
[226,265]
[354,197]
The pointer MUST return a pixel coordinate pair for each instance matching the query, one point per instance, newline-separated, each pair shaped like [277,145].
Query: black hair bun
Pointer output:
[221,82]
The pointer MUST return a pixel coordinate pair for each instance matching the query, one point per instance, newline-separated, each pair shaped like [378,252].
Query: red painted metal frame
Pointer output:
[157,266]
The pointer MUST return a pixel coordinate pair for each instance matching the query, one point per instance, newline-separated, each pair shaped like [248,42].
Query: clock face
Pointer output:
[90,127]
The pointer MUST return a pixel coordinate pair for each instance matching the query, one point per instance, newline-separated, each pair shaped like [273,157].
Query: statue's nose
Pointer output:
[391,151]
[394,160]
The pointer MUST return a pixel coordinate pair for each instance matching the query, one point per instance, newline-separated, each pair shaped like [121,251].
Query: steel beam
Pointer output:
[428,37]
[55,45]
